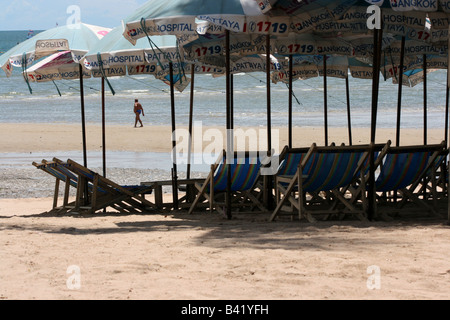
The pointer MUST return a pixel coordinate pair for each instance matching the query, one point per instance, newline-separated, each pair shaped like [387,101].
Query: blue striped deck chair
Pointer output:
[103,192]
[323,169]
[290,159]
[404,168]
[245,171]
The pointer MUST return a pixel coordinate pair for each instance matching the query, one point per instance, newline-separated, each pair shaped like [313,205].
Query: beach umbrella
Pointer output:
[73,38]
[178,17]
[158,56]
[345,20]
[76,38]
[197,20]
[115,52]
[58,66]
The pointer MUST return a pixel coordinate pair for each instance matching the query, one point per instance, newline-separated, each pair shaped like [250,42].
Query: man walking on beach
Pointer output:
[137,111]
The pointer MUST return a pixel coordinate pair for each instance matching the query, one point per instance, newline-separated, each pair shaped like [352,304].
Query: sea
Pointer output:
[46,105]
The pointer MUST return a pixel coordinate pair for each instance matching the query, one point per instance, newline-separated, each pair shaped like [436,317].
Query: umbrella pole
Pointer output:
[191,112]
[325,102]
[448,165]
[83,123]
[349,122]
[400,84]
[377,37]
[425,99]
[232,102]
[103,128]
[269,124]
[267,195]
[446,114]
[229,149]
[290,102]
[83,128]
[174,143]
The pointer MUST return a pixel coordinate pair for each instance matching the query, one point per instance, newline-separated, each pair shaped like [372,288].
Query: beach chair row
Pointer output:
[331,180]
[93,192]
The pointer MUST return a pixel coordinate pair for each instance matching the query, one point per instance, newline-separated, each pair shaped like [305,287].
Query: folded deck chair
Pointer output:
[101,192]
[245,172]
[323,170]
[68,178]
[404,169]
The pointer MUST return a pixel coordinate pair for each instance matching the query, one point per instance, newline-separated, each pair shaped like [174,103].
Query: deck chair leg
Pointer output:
[94,194]
[56,193]
[80,191]
[287,194]
[353,209]
[301,199]
[302,211]
[201,193]
[410,195]
[66,193]
[211,196]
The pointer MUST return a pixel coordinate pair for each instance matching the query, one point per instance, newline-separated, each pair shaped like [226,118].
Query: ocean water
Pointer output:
[45,105]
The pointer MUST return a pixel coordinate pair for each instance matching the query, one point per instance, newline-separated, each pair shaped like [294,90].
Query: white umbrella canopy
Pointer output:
[115,56]
[76,38]
[64,47]
[57,66]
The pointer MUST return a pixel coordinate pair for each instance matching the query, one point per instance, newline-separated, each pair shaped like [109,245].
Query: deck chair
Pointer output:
[323,170]
[245,172]
[435,183]
[404,169]
[101,192]
[67,178]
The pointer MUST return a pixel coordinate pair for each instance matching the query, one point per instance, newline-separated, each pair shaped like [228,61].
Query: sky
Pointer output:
[46,14]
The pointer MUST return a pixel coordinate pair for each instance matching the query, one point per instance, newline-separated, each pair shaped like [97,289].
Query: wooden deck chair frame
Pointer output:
[104,192]
[426,176]
[68,180]
[436,179]
[334,192]
[240,198]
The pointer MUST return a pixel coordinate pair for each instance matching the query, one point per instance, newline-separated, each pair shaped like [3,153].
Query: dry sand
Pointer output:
[204,256]
[60,137]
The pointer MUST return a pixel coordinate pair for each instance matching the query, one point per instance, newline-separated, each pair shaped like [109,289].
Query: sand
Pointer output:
[204,256]
[50,137]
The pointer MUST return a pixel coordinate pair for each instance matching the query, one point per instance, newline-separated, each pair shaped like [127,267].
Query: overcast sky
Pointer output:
[46,14]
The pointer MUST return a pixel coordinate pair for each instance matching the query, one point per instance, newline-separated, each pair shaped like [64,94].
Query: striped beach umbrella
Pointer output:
[63,45]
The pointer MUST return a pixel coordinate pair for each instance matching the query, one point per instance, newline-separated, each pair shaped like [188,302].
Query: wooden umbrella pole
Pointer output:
[269,120]
[349,121]
[83,128]
[375,82]
[232,103]
[400,84]
[83,121]
[191,113]
[103,128]
[425,129]
[268,181]
[228,120]
[446,114]
[290,102]
[325,100]
[174,144]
